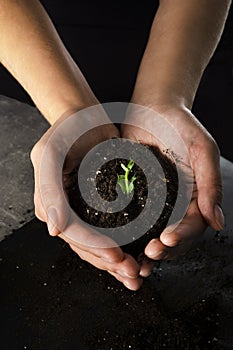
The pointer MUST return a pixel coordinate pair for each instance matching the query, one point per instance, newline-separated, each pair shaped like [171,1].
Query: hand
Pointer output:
[51,206]
[205,205]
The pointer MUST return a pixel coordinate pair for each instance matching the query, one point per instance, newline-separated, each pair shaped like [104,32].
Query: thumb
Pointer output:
[56,208]
[51,204]
[209,186]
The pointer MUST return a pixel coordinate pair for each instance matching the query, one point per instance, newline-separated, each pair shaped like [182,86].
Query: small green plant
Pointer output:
[126,184]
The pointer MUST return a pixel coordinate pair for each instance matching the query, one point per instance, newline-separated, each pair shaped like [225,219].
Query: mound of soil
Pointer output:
[106,184]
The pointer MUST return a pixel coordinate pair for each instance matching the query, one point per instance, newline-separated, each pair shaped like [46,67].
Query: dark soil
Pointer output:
[51,299]
[106,186]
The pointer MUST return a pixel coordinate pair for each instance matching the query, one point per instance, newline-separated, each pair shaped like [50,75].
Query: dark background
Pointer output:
[107,40]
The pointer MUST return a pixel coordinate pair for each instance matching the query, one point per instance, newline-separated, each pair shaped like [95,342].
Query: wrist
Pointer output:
[161,103]
[163,89]
[65,106]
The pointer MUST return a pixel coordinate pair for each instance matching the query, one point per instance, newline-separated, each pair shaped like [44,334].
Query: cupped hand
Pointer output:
[50,198]
[204,159]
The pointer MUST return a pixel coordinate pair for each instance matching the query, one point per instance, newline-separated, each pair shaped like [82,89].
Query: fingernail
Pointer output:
[171,228]
[172,243]
[51,220]
[128,285]
[219,217]
[151,255]
[145,274]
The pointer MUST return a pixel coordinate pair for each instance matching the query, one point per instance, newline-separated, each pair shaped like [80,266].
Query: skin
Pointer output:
[183,38]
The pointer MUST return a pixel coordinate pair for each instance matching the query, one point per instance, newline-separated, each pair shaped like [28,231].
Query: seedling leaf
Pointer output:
[126,184]
[130,164]
[121,183]
[124,167]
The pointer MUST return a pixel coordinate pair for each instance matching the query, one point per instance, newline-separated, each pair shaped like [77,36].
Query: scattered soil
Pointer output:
[106,185]
[51,299]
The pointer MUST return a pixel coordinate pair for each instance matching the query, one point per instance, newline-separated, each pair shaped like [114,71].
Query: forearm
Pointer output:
[182,40]
[33,53]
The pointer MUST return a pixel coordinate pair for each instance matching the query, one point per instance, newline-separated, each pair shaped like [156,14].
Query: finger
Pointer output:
[111,255]
[127,268]
[146,266]
[39,210]
[191,227]
[132,284]
[179,240]
[49,193]
[209,185]
[50,205]
[162,252]
[156,250]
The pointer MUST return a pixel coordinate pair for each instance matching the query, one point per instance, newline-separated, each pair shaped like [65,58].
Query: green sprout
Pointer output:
[126,184]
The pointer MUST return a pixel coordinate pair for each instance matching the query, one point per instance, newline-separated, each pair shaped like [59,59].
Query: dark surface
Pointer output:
[50,299]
